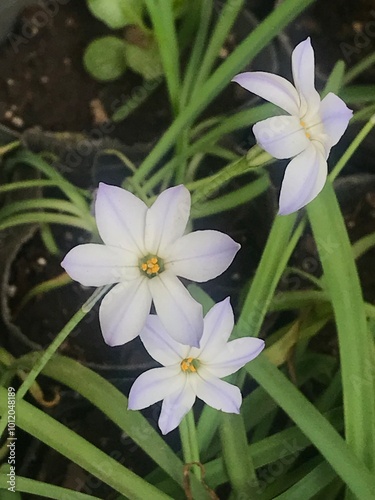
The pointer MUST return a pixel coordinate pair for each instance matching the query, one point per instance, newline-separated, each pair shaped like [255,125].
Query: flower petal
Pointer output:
[281,136]
[304,178]
[335,116]
[97,265]
[180,314]
[120,217]
[272,88]
[235,355]
[202,255]
[303,67]
[166,220]
[154,385]
[218,325]
[124,310]
[159,344]
[175,407]
[217,393]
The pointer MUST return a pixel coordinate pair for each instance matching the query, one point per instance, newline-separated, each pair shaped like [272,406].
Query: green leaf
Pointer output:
[117,13]
[41,489]
[201,296]
[315,427]
[78,450]
[113,403]
[145,61]
[285,13]
[104,58]
[356,346]
[179,7]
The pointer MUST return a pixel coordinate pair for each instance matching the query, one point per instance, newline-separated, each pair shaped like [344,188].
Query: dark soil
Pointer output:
[43,81]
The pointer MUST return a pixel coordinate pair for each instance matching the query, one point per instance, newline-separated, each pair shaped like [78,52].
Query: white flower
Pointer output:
[144,251]
[190,372]
[307,135]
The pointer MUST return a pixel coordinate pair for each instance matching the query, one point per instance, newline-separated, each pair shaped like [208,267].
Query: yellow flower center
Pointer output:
[307,134]
[190,365]
[151,265]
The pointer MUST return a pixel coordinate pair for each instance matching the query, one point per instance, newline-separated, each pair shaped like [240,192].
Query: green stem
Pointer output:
[352,148]
[233,199]
[223,26]
[52,348]
[357,69]
[275,257]
[204,188]
[197,51]
[189,442]
[240,120]
[26,185]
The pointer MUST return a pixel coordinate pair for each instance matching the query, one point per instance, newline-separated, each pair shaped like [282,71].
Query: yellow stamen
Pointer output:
[187,365]
[152,269]
[151,265]
[303,124]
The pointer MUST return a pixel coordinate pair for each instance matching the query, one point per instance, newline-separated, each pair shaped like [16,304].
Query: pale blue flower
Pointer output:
[191,372]
[144,251]
[306,135]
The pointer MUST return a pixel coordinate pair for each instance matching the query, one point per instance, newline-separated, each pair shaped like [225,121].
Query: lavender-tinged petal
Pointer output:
[272,88]
[335,116]
[120,217]
[160,345]
[154,385]
[202,255]
[304,178]
[218,325]
[303,67]
[166,220]
[97,265]
[281,136]
[124,310]
[217,393]
[235,355]
[180,314]
[175,407]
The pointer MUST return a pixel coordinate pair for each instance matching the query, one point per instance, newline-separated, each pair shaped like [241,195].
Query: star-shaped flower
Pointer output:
[190,372]
[307,135]
[144,251]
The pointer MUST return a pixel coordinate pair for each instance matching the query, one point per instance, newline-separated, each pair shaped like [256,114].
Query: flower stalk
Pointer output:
[189,442]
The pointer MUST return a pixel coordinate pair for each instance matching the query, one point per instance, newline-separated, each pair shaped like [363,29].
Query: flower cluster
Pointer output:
[306,135]
[144,251]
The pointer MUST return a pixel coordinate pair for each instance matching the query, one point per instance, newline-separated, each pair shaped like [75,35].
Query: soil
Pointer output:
[43,81]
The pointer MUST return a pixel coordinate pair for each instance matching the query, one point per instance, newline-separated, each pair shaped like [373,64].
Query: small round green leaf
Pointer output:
[104,58]
[144,60]
[117,13]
